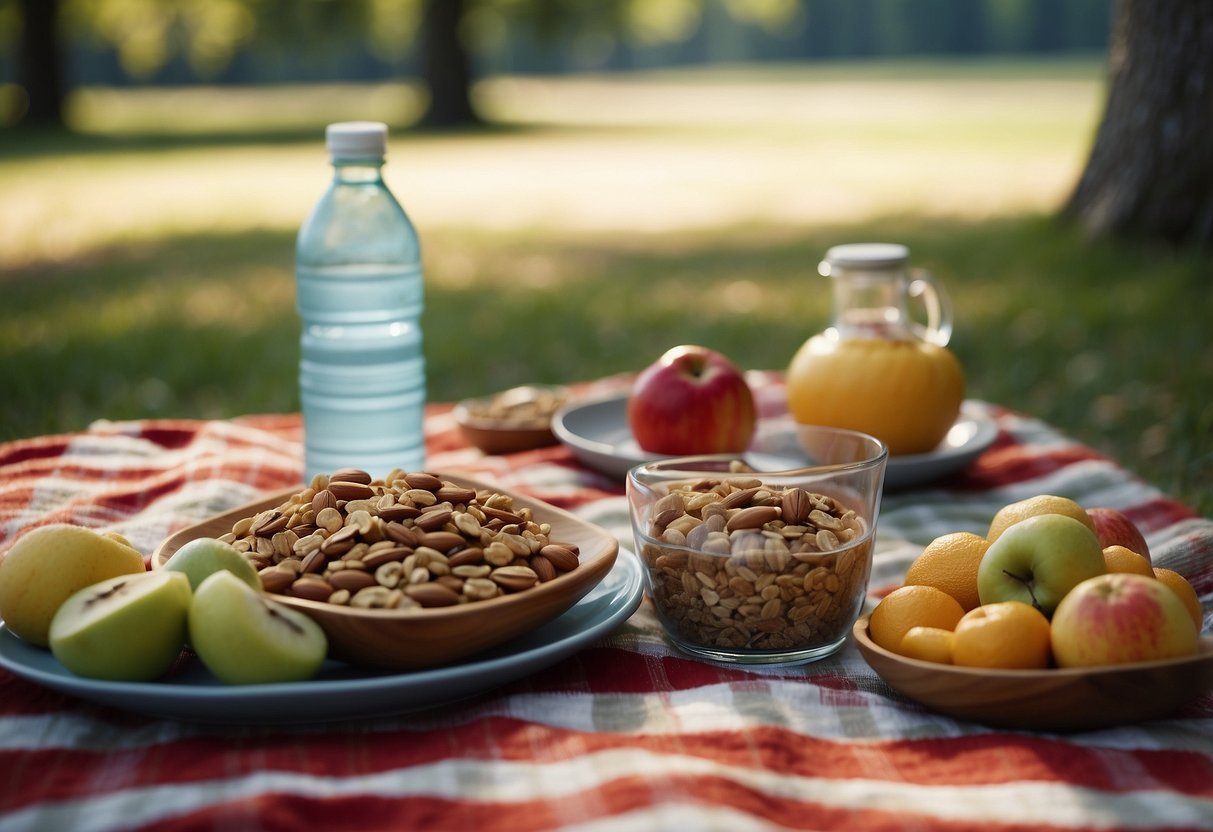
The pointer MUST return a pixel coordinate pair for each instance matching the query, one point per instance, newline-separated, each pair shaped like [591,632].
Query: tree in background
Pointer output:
[40,63]
[446,66]
[1150,172]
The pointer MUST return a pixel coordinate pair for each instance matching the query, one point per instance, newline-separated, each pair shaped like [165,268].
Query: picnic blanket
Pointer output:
[626,734]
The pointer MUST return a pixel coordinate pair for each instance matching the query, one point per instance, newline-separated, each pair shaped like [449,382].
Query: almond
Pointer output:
[561,557]
[399,512]
[432,595]
[501,514]
[514,578]
[269,522]
[404,535]
[433,519]
[739,498]
[274,579]
[795,506]
[454,494]
[350,475]
[310,588]
[466,557]
[378,557]
[422,480]
[322,500]
[543,568]
[351,579]
[443,541]
[350,491]
[754,517]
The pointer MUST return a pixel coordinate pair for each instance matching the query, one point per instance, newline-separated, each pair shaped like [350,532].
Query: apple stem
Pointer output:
[1027,583]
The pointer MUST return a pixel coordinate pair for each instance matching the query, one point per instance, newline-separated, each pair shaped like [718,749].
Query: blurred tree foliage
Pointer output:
[1149,174]
[50,45]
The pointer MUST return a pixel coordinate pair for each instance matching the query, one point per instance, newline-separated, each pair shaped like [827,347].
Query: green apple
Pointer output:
[49,564]
[244,637]
[129,628]
[1121,618]
[202,557]
[1038,560]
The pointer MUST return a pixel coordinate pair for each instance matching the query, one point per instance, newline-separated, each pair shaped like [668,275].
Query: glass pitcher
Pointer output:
[877,369]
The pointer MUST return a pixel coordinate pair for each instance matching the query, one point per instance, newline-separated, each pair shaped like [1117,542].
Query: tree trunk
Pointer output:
[447,66]
[1150,172]
[40,63]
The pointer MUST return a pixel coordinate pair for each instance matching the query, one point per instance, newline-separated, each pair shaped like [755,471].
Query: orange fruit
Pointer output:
[1123,559]
[950,563]
[1008,634]
[912,606]
[1011,514]
[930,644]
[1180,586]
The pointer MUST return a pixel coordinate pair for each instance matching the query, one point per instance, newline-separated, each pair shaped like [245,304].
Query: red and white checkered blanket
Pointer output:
[627,733]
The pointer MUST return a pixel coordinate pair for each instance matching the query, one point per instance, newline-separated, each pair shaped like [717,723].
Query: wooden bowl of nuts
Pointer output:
[758,566]
[413,570]
[513,420]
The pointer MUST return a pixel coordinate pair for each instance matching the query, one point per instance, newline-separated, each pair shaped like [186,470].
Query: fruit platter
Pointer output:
[267,603]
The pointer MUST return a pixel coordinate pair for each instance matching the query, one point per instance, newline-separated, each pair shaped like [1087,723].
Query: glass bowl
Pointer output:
[759,566]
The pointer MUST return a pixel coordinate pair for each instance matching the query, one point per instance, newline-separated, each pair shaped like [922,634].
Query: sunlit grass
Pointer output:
[150,274]
[204,326]
[655,152]
[247,111]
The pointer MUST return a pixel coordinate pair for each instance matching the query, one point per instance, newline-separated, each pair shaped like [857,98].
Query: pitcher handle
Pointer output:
[938,329]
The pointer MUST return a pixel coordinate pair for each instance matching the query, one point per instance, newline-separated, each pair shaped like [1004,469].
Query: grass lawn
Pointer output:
[147,271]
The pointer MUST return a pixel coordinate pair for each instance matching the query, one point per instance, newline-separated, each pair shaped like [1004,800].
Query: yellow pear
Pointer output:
[48,565]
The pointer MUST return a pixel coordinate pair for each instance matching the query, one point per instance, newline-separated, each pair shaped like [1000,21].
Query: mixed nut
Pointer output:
[735,564]
[518,407]
[409,540]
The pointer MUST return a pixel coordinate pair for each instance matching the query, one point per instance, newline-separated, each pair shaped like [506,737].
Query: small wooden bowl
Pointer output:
[421,638]
[1058,699]
[509,435]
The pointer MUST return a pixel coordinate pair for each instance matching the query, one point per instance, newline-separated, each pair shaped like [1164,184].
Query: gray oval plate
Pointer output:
[191,693]
[597,433]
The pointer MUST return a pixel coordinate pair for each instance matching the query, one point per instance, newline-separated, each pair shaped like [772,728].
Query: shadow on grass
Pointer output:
[1107,342]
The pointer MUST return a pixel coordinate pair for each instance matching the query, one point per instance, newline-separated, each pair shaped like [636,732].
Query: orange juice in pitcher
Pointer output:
[876,369]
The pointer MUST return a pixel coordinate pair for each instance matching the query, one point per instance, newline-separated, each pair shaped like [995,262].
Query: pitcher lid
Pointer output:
[864,256]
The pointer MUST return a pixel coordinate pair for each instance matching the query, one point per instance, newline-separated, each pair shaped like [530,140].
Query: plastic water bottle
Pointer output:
[360,294]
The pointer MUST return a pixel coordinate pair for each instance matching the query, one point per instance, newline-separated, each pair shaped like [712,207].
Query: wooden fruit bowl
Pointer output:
[421,638]
[1061,700]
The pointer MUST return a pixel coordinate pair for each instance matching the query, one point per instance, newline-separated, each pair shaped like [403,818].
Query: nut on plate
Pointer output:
[426,571]
[517,419]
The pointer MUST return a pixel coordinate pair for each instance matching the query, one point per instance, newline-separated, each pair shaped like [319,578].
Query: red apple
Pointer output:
[692,400]
[1120,618]
[1113,528]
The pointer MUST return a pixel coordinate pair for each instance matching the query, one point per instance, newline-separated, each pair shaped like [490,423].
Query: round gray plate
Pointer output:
[597,432]
[192,693]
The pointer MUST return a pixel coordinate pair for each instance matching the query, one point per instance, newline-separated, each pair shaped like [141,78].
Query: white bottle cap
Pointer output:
[356,140]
